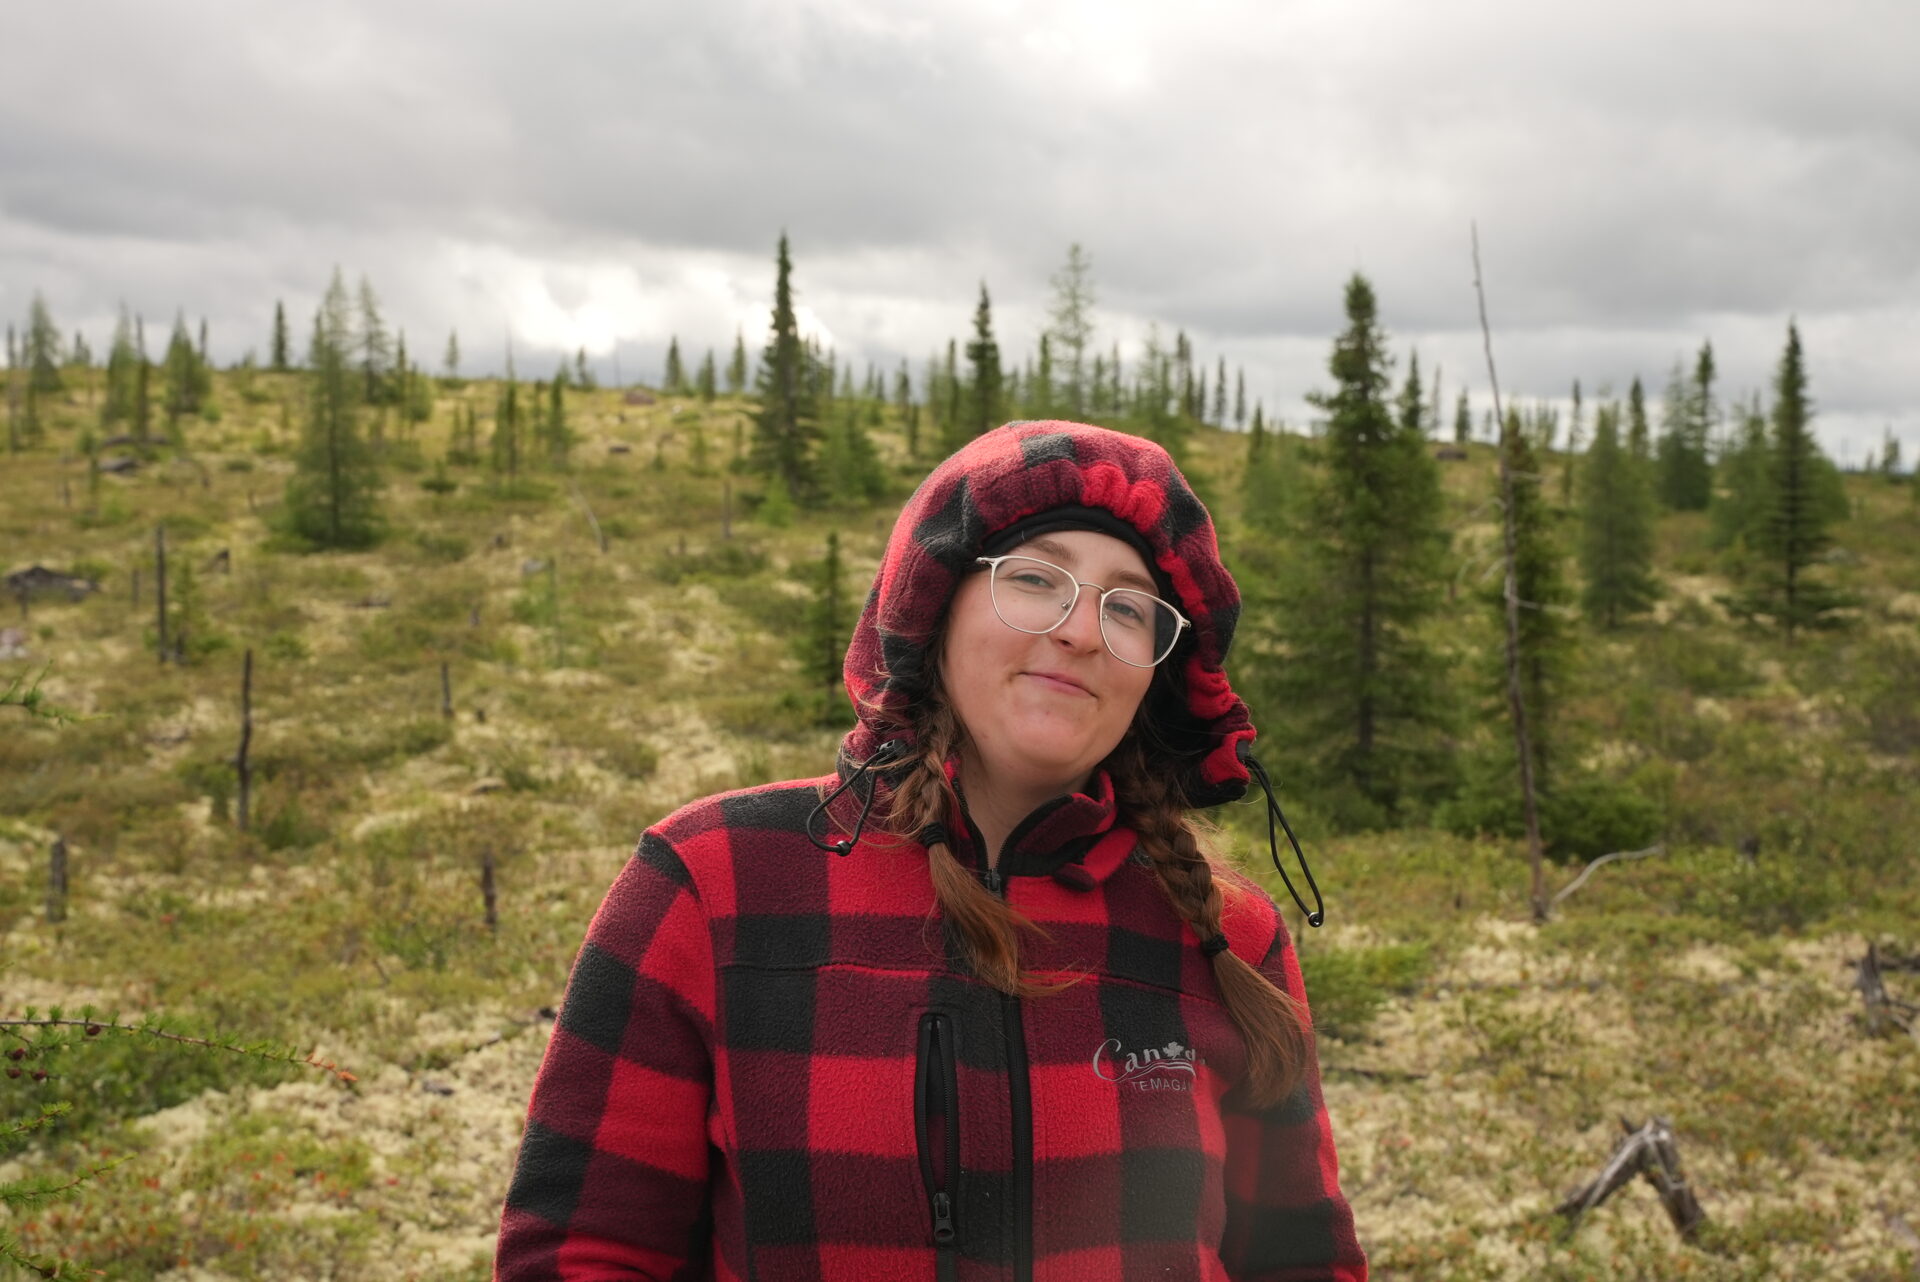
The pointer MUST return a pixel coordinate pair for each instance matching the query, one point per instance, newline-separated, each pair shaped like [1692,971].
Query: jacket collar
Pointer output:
[1054,840]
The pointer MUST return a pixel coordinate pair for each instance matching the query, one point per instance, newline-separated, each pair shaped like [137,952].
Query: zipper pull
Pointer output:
[942,1218]
[995,882]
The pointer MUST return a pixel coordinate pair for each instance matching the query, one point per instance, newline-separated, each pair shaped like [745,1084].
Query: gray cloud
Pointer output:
[1644,176]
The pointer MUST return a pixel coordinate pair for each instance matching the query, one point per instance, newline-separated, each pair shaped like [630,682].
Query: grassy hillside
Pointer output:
[1475,1065]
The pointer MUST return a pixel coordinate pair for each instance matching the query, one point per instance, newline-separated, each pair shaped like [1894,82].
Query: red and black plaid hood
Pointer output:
[996,481]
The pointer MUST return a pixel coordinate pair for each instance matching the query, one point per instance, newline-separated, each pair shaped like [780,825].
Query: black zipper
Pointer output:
[936,1093]
[1020,1104]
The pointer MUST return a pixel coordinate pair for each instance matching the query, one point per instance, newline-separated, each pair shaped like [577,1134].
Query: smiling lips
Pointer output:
[1063,684]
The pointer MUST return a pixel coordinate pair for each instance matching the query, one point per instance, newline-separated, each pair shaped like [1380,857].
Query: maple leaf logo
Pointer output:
[1172,1050]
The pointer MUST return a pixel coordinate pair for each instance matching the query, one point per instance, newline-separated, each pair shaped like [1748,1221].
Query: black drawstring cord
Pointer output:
[886,754]
[1319,913]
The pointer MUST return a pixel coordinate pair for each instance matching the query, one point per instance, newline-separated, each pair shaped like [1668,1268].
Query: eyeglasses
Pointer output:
[1031,595]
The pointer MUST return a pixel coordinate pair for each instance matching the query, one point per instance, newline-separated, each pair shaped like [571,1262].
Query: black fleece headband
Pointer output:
[1099,520]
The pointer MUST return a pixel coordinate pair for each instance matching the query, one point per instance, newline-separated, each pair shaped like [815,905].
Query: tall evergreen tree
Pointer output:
[142,385]
[376,349]
[1576,437]
[508,444]
[1362,688]
[1639,431]
[1071,328]
[1462,420]
[706,382]
[331,498]
[1793,534]
[450,363]
[1740,497]
[675,382]
[1616,527]
[1409,409]
[983,404]
[1685,466]
[187,379]
[43,348]
[1041,388]
[737,366]
[558,435]
[822,643]
[1240,397]
[1544,647]
[280,348]
[786,426]
[122,375]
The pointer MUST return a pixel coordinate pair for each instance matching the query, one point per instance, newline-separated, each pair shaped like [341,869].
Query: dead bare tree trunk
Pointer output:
[242,767]
[1884,1014]
[1651,1151]
[57,881]
[487,897]
[160,579]
[1516,701]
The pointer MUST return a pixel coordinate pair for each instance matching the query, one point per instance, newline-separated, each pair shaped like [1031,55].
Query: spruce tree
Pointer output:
[1409,409]
[1042,387]
[184,378]
[1576,437]
[376,349]
[675,382]
[1239,397]
[983,404]
[1071,328]
[822,644]
[280,348]
[451,361]
[1362,690]
[1685,468]
[331,498]
[1462,420]
[122,374]
[786,425]
[43,348]
[142,385]
[1220,393]
[559,436]
[1792,533]
[1740,497]
[706,382]
[1639,432]
[1544,647]
[737,366]
[1616,527]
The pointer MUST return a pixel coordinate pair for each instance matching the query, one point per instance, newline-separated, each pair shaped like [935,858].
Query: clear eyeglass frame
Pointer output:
[1181,622]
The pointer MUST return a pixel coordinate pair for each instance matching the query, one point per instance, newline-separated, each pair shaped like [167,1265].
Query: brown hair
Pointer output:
[987,929]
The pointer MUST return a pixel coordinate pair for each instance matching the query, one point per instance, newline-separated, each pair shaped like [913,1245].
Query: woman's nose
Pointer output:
[1082,624]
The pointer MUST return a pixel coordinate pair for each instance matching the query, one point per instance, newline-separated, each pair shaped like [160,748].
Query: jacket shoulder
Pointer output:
[1250,918]
[709,830]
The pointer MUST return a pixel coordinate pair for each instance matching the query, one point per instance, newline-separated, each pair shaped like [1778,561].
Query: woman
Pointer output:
[1013,1023]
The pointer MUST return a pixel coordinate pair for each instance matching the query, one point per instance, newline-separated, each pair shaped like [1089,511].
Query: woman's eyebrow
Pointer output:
[1125,578]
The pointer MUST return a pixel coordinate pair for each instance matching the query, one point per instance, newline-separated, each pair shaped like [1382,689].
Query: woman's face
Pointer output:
[1029,731]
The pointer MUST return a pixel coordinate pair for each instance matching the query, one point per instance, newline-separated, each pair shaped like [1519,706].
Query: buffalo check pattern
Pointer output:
[729,1089]
[739,1082]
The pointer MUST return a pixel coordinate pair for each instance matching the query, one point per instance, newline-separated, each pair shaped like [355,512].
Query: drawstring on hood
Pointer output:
[1016,481]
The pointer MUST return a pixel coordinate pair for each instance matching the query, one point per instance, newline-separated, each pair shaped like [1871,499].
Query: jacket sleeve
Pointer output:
[611,1181]
[1286,1218]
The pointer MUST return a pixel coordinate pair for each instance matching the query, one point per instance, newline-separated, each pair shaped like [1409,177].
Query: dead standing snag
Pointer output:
[1651,1151]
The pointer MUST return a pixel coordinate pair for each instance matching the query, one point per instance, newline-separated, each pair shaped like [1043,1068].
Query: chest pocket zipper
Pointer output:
[936,1128]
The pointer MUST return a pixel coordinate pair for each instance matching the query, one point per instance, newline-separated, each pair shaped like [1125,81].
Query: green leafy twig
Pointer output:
[18,694]
[91,1026]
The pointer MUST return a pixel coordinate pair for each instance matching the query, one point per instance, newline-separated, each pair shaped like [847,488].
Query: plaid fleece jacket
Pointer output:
[772,1064]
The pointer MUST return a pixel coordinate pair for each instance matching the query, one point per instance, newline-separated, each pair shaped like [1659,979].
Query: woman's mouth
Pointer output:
[1057,683]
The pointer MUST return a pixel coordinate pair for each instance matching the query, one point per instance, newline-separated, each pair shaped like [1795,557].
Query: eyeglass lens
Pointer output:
[1035,596]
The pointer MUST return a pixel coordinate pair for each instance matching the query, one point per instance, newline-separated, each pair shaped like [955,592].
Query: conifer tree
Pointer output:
[675,382]
[1362,689]
[1409,409]
[1432,428]
[187,379]
[1240,397]
[142,385]
[786,426]
[1071,329]
[279,350]
[1616,527]
[848,461]
[1685,468]
[1462,420]
[706,383]
[1544,646]
[1793,531]
[1639,431]
[737,366]
[1576,437]
[1220,393]
[376,350]
[331,498]
[43,348]
[1740,499]
[823,640]
[582,373]
[122,375]
[983,404]
[507,445]
[1042,387]
[559,436]
[450,362]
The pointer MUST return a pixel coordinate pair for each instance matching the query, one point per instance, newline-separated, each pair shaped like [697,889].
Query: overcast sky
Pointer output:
[1645,176]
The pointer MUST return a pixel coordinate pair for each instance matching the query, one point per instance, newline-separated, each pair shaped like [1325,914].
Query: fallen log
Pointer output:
[1650,1151]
